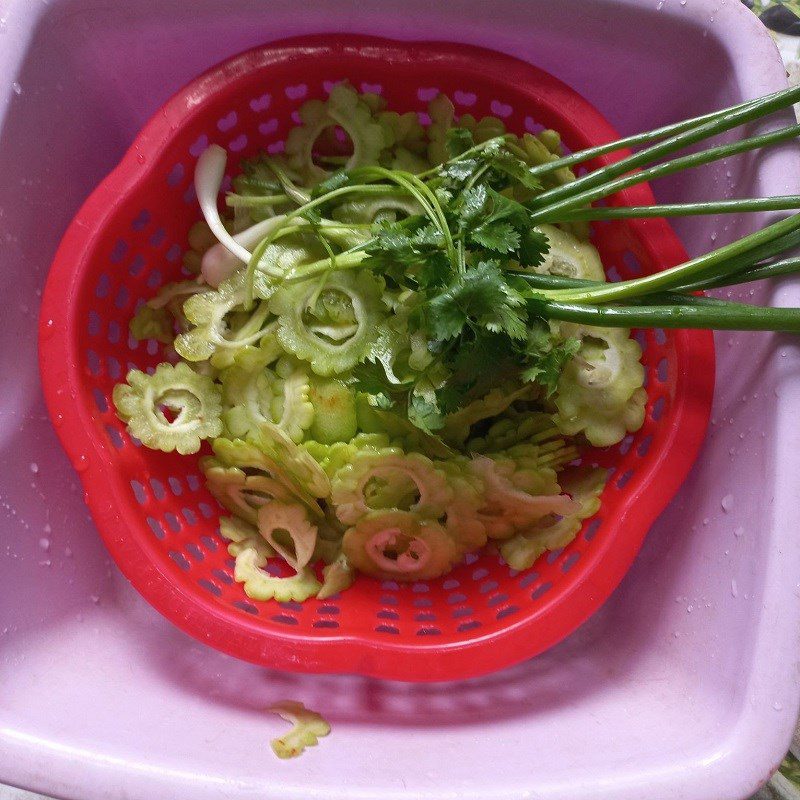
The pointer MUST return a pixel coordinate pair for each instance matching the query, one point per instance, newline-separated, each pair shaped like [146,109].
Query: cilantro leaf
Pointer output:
[458,141]
[370,377]
[515,168]
[498,236]
[533,247]
[480,298]
[424,413]
[545,357]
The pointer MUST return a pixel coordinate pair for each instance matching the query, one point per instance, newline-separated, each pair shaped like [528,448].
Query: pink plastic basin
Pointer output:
[683,686]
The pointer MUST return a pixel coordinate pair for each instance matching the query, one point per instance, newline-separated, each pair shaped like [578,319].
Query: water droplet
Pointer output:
[45,563]
[82,464]
[47,528]
[68,552]
[689,609]
[34,468]
[44,543]
[16,87]
[734,588]
[777,706]
[676,634]
[727,501]
[706,521]
[738,532]
[140,157]
[95,599]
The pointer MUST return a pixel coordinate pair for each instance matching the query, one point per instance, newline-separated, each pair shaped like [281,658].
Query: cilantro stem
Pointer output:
[233,200]
[729,119]
[784,203]
[596,192]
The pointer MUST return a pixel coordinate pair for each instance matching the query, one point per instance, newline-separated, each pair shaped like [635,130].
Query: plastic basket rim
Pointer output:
[235,633]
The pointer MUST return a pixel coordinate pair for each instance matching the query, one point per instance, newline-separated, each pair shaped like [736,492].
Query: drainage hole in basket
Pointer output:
[172,521]
[422,602]
[632,264]
[387,629]
[501,109]
[284,619]
[93,323]
[122,298]
[532,126]
[658,408]
[103,286]
[480,574]
[528,579]
[154,279]
[175,175]
[644,446]
[260,103]
[425,616]
[387,615]
[118,251]
[115,437]
[468,626]
[662,370]
[141,220]
[155,526]
[210,587]
[92,362]
[291,605]
[199,145]
[506,612]
[194,551]
[139,492]
[464,98]
[223,576]
[455,598]
[660,336]
[625,445]
[570,561]
[328,610]
[388,600]
[268,128]
[466,611]
[427,93]
[450,583]
[591,530]
[228,121]
[210,543]
[243,606]
[553,555]
[325,623]
[540,590]
[496,600]
[189,196]
[296,92]
[471,558]
[180,560]
[420,588]
[623,479]
[114,332]
[371,88]
[238,144]
[392,586]
[174,253]
[429,632]
[641,337]
[175,485]
[193,482]
[189,516]
[158,488]
[276,147]
[489,586]
[114,368]
[100,400]
[206,510]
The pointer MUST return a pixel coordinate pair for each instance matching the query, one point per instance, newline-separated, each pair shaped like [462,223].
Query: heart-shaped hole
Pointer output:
[464,98]
[228,121]
[261,103]
[371,88]
[501,109]
[296,92]
[199,145]
[266,128]
[239,143]
[426,94]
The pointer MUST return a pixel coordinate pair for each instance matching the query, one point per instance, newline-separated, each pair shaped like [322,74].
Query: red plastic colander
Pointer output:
[152,509]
